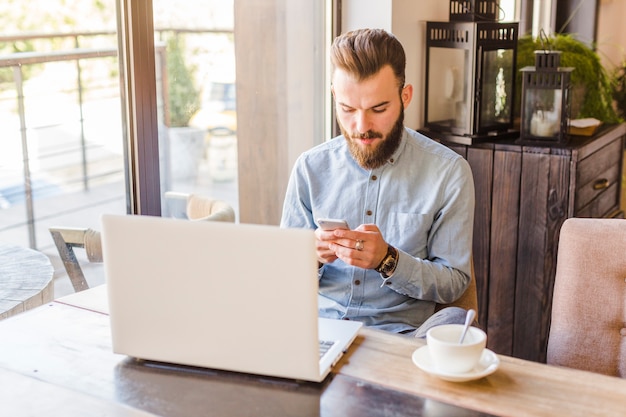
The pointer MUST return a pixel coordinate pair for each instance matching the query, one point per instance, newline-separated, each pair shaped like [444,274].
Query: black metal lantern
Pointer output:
[545,98]
[474,10]
[470,79]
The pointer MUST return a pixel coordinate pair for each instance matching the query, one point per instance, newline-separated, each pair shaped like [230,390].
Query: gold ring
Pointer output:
[359,244]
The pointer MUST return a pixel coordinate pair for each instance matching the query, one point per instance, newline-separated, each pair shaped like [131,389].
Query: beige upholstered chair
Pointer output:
[588,328]
[67,238]
[203,208]
[197,207]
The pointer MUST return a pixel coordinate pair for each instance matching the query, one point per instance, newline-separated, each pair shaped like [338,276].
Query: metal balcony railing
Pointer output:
[95,74]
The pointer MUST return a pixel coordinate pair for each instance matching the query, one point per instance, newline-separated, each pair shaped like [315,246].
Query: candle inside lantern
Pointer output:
[543,124]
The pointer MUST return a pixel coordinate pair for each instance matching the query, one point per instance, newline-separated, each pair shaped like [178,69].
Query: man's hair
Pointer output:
[364,52]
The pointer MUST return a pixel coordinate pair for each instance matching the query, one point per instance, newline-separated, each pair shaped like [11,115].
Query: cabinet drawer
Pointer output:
[601,206]
[597,174]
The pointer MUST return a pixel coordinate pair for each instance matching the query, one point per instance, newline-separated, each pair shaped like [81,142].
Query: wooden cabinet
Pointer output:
[524,192]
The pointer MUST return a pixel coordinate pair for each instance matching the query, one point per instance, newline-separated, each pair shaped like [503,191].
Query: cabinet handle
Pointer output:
[601,184]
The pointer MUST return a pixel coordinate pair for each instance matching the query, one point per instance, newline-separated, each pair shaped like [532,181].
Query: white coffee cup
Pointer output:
[447,355]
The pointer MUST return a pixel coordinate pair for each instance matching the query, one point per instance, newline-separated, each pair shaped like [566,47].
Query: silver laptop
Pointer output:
[236,297]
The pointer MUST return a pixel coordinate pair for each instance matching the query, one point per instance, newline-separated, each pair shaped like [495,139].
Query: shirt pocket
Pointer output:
[409,232]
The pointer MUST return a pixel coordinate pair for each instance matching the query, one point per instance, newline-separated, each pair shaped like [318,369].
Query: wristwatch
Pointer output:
[388,265]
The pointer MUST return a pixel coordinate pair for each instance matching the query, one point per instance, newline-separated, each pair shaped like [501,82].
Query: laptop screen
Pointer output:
[229,296]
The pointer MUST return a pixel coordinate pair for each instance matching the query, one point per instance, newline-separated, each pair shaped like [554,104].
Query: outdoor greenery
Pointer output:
[48,16]
[184,96]
[591,83]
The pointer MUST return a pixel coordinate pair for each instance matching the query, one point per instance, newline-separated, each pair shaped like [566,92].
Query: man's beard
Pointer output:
[377,157]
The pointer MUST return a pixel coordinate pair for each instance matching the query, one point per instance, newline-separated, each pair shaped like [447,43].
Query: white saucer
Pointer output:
[487,365]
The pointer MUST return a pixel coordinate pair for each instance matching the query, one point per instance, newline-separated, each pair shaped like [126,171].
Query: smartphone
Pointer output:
[332,224]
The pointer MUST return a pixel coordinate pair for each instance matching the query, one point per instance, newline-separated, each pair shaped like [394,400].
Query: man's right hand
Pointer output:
[323,238]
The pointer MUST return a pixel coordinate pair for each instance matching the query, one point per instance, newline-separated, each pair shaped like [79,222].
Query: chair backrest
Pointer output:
[203,208]
[68,238]
[469,299]
[588,327]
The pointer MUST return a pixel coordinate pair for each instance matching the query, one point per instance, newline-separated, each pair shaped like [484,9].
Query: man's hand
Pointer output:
[363,247]
[324,238]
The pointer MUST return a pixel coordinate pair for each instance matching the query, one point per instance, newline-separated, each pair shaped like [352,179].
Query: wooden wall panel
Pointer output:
[481,162]
[460,149]
[532,248]
[558,198]
[503,254]
[524,192]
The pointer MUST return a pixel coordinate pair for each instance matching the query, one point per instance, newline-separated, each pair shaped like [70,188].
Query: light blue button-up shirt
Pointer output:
[422,200]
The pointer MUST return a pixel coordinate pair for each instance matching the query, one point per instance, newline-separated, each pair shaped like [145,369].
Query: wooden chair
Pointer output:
[198,208]
[588,327]
[469,299]
[68,238]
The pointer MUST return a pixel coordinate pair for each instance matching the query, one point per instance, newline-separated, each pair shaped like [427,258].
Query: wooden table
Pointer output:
[25,279]
[65,348]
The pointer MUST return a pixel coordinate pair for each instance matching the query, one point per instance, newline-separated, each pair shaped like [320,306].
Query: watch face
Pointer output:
[388,264]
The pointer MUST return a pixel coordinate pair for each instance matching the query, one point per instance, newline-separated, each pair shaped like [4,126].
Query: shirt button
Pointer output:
[374,177]
[387,282]
[357,282]
[368,212]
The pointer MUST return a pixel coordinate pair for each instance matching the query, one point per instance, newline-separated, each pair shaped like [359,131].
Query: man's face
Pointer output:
[370,114]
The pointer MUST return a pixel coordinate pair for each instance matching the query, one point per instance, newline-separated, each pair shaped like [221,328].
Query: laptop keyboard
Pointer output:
[325,345]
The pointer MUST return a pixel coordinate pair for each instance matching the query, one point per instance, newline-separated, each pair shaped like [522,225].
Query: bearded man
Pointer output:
[408,199]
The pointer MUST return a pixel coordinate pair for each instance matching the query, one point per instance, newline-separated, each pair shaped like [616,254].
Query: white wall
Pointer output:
[611,37]
[357,14]
[406,19]
[280,66]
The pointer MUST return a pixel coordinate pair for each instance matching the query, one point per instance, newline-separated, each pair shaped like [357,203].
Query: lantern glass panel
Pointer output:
[448,89]
[497,88]
[543,110]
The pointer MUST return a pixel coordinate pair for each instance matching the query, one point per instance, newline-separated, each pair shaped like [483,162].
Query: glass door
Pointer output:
[195,55]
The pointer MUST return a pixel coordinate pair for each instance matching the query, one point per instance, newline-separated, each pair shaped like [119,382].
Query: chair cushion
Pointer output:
[202,208]
[93,245]
[469,299]
[588,328]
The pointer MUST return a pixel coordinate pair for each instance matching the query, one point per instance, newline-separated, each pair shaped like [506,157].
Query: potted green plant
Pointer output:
[591,84]
[184,97]
[618,82]
[185,147]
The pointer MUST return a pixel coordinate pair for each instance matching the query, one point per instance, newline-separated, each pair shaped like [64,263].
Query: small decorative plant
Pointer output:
[592,90]
[184,97]
[618,81]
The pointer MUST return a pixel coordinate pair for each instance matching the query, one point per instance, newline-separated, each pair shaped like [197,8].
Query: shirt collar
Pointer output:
[403,140]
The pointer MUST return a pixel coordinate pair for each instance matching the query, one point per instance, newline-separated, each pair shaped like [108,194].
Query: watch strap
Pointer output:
[388,265]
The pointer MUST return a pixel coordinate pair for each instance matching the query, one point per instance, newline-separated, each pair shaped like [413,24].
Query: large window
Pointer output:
[97,101]
[65,148]
[61,148]
[509,10]
[197,115]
